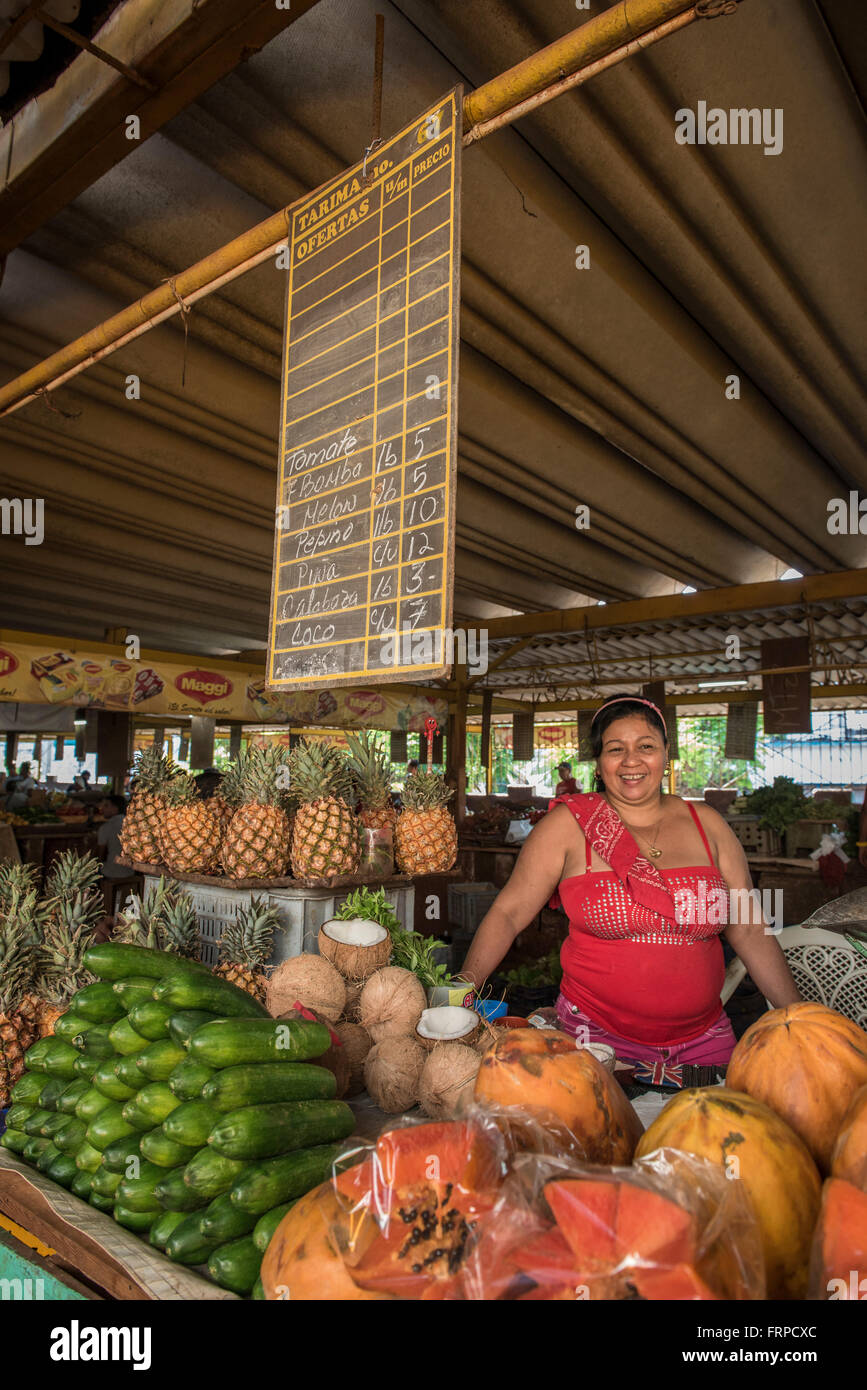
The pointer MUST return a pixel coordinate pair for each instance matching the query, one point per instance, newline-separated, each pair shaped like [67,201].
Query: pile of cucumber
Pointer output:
[170,1099]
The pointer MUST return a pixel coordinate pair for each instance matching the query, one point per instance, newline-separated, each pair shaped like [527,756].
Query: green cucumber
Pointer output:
[70,1026]
[53,1125]
[33,1124]
[156,1102]
[34,1147]
[163,1227]
[85,1065]
[187,1246]
[258,1289]
[18,1115]
[63,1170]
[266,1082]
[72,1094]
[211,1174]
[160,1059]
[174,1194]
[54,1057]
[137,1194]
[96,1042]
[127,1071]
[47,1157]
[70,1139]
[92,1103]
[230,1041]
[191,1123]
[157,1148]
[125,1039]
[236,1265]
[138,1221]
[105,1182]
[101,1202]
[15,1140]
[275,1180]
[88,1158]
[207,992]
[108,1126]
[138,989]
[98,1002]
[29,1087]
[52,1092]
[264,1131]
[183,1024]
[151,1019]
[222,1220]
[104,1080]
[189,1078]
[82,1184]
[267,1225]
[119,1155]
[112,960]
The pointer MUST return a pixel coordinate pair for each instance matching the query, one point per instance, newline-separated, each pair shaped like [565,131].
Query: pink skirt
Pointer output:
[713,1047]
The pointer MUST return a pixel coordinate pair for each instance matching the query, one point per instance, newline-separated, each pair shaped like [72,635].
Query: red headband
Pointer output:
[636,699]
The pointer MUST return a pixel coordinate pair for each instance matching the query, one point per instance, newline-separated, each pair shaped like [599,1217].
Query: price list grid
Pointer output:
[365,498]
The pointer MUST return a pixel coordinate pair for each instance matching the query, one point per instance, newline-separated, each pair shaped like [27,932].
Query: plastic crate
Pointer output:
[302,912]
[753,838]
[468,903]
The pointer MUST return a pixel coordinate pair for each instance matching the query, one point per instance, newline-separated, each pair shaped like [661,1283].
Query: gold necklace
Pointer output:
[652,849]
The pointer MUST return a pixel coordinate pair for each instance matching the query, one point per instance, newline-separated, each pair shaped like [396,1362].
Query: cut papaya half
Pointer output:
[585,1211]
[447,1153]
[610,1225]
[651,1229]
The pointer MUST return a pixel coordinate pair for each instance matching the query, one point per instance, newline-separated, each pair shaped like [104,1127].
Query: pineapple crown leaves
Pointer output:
[319,771]
[151,769]
[60,957]
[425,791]
[370,770]
[16,878]
[179,926]
[163,920]
[265,776]
[72,873]
[18,964]
[231,788]
[180,790]
[249,939]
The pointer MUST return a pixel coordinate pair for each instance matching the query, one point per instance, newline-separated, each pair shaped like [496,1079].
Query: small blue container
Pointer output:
[492,1008]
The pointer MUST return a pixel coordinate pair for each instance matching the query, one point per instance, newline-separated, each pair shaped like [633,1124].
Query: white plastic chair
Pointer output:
[825,967]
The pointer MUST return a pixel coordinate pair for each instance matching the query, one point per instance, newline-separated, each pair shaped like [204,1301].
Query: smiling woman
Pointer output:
[639,973]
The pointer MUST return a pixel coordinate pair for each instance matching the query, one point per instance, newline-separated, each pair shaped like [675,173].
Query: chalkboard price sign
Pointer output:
[364,536]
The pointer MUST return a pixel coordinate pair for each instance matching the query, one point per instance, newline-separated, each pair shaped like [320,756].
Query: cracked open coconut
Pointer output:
[448,1023]
[356,946]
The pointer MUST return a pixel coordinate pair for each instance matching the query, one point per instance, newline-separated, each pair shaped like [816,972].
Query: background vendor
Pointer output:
[636,872]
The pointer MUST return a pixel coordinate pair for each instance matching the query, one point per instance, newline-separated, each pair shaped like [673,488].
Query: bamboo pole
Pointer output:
[602,41]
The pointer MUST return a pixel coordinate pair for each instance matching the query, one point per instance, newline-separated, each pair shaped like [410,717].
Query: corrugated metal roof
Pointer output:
[603,386]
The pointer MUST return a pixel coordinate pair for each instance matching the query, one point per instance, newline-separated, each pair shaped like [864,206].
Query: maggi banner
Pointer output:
[70,676]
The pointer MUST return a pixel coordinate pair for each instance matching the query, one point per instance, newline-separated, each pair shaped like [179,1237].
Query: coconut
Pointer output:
[356,946]
[356,1045]
[392,1073]
[448,1023]
[490,1034]
[307,980]
[448,1079]
[353,996]
[391,1003]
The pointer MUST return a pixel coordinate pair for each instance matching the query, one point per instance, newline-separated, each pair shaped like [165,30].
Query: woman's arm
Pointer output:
[750,935]
[538,869]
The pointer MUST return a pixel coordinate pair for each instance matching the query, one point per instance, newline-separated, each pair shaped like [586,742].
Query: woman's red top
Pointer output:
[643,957]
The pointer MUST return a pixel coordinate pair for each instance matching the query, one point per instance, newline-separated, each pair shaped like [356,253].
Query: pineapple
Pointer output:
[371,775]
[72,908]
[326,838]
[256,843]
[189,828]
[227,798]
[139,837]
[16,877]
[18,1021]
[246,945]
[164,920]
[426,839]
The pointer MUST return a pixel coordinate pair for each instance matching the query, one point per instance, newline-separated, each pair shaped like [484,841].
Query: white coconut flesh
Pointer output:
[448,1023]
[355,931]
